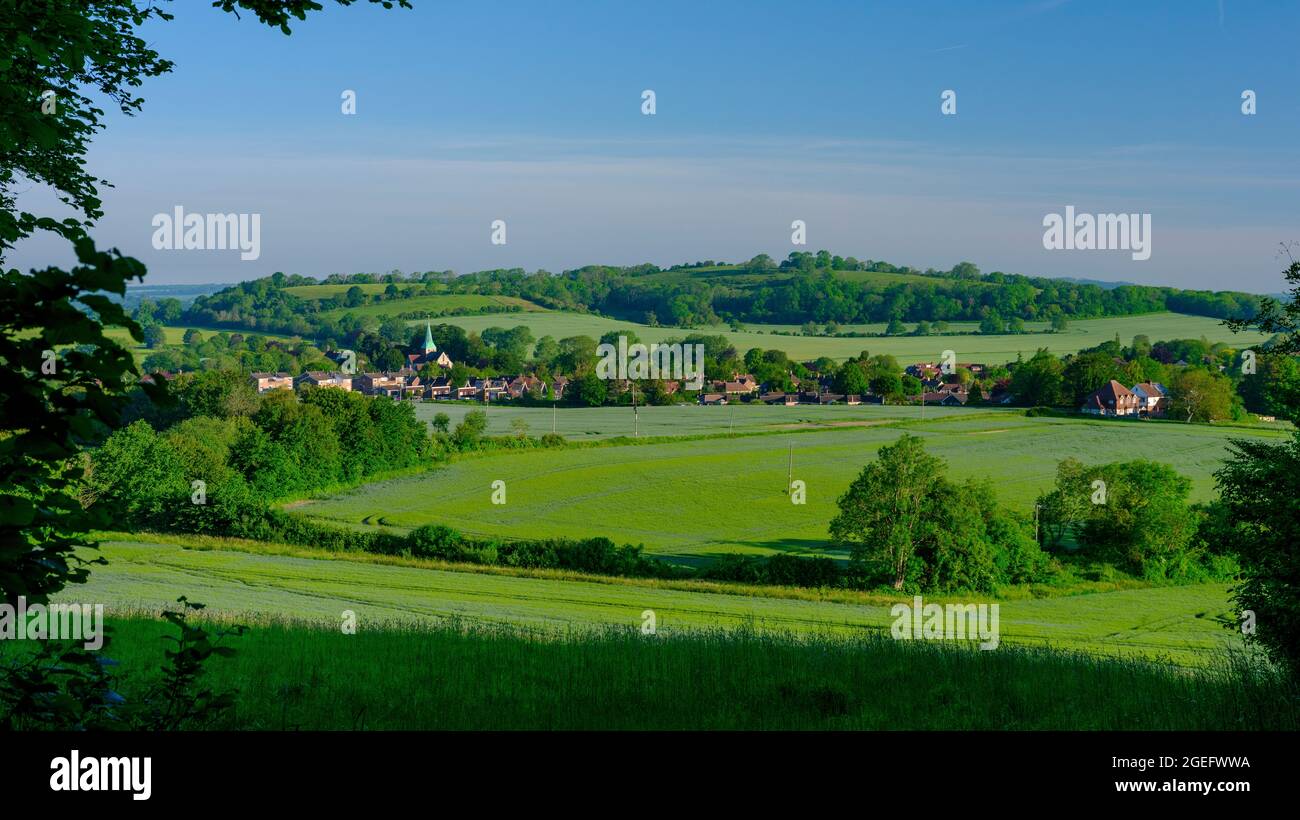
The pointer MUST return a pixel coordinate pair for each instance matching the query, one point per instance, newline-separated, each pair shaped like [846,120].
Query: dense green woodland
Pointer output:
[803,288]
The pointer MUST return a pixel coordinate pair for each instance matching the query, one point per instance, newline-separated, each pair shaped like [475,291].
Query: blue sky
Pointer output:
[767,112]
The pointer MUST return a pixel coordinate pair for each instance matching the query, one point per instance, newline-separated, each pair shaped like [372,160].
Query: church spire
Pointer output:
[429,346]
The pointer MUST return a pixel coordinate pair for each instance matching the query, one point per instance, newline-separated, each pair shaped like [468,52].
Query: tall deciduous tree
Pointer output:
[1039,380]
[1196,394]
[1260,486]
[886,513]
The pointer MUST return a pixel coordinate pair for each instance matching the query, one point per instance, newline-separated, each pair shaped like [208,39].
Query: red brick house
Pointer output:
[1114,399]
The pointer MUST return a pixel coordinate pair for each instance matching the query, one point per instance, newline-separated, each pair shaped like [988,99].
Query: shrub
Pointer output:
[436,541]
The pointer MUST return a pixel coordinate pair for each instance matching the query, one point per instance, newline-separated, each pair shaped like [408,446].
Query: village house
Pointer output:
[945,394]
[413,387]
[520,386]
[1153,398]
[1114,399]
[782,398]
[1001,393]
[262,382]
[740,384]
[925,372]
[439,388]
[488,389]
[946,398]
[322,378]
[381,384]
[743,383]
[713,398]
[558,386]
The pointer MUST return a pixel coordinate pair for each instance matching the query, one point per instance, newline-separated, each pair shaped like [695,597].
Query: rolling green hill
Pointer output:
[434,304]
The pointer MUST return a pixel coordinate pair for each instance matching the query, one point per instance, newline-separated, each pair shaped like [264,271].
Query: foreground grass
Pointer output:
[1180,624]
[295,677]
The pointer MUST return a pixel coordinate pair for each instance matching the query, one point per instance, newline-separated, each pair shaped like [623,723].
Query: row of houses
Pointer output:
[408,384]
[792,399]
[1146,399]
[740,384]
[744,387]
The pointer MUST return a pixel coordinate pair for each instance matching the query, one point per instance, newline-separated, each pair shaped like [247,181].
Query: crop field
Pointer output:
[691,498]
[437,302]
[1178,623]
[972,347]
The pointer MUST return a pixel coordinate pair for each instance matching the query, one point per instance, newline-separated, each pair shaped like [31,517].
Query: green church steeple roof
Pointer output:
[429,346]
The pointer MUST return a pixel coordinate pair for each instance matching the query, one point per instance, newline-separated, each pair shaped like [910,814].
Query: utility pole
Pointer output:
[636,417]
[552,418]
[789,473]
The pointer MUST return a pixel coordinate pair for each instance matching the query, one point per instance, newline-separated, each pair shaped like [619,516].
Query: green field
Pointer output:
[1178,623]
[434,303]
[908,349]
[173,336]
[682,419]
[691,498]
